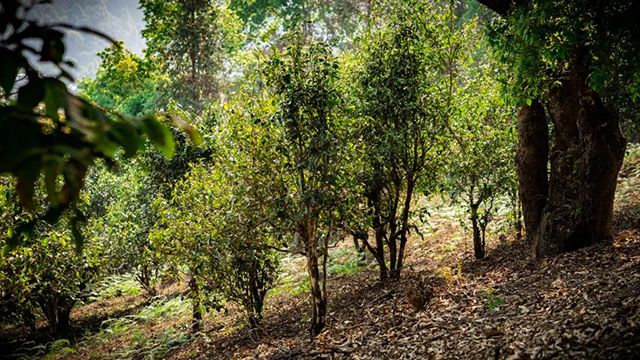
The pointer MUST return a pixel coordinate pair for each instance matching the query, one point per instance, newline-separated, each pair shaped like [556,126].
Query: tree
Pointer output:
[332,20]
[303,79]
[42,275]
[189,39]
[124,82]
[120,218]
[404,109]
[225,246]
[567,59]
[481,167]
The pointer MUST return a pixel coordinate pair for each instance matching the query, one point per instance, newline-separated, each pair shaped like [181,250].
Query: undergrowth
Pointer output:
[116,285]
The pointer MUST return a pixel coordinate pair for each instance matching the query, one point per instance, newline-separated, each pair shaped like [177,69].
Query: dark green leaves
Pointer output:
[126,135]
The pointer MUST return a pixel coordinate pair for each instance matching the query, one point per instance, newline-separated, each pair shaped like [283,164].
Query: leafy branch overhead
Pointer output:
[47,131]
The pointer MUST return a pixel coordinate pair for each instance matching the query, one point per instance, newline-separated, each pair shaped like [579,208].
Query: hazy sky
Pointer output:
[120,19]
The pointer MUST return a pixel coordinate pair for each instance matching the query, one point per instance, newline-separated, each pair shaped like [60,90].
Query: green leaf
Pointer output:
[159,135]
[126,135]
[55,92]
[528,101]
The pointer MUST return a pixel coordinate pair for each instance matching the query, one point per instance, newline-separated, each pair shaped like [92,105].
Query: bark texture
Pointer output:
[584,161]
[586,157]
[308,229]
[196,320]
[531,165]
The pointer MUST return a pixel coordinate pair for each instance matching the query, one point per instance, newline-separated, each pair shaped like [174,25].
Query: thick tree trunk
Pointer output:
[586,156]
[531,164]
[587,153]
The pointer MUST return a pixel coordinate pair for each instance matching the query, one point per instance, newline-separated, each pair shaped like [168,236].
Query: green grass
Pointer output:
[291,285]
[294,279]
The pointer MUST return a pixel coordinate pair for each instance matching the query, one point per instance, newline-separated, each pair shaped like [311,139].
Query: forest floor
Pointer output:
[579,305]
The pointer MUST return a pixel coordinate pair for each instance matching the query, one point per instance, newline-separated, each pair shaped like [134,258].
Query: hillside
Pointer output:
[330,179]
[584,304]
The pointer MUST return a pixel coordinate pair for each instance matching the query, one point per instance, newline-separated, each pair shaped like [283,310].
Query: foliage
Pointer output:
[45,276]
[114,286]
[494,299]
[541,40]
[309,135]
[189,38]
[46,129]
[482,167]
[121,222]
[124,82]
[333,20]
[225,246]
[406,82]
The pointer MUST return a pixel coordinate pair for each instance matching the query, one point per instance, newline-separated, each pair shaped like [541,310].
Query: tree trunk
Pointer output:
[57,311]
[405,226]
[392,239]
[378,228]
[518,219]
[50,311]
[254,307]
[359,249]
[144,278]
[318,299]
[64,320]
[478,247]
[196,321]
[587,154]
[531,164]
